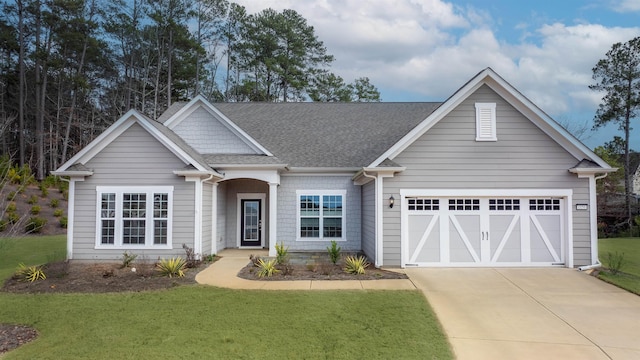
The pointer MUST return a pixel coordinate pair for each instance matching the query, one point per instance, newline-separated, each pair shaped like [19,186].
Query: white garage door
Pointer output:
[483,231]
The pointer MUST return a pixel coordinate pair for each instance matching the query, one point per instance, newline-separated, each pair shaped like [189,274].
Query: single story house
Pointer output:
[485,178]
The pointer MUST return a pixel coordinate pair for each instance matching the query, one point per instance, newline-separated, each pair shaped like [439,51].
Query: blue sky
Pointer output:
[424,50]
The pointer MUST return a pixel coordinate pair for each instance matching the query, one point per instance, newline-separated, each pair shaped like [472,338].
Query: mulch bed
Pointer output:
[12,336]
[319,271]
[65,277]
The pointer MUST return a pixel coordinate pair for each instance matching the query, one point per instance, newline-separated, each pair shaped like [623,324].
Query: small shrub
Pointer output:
[12,207]
[282,254]
[64,222]
[13,218]
[255,259]
[267,268]
[44,191]
[615,261]
[334,252]
[312,266]
[54,203]
[355,265]
[14,175]
[3,225]
[171,267]
[11,195]
[210,258]
[191,261]
[35,225]
[30,273]
[32,200]
[65,195]
[127,259]
[35,209]
[58,212]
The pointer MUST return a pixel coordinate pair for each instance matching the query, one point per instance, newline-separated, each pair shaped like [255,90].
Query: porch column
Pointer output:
[273,218]
[214,219]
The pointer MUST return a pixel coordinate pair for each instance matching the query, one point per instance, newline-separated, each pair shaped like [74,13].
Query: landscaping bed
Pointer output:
[315,266]
[72,277]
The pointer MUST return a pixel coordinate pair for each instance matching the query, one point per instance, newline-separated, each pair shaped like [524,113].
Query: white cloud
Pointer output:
[429,48]
[627,5]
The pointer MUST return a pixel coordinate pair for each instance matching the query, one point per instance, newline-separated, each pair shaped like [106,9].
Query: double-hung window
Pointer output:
[134,217]
[321,215]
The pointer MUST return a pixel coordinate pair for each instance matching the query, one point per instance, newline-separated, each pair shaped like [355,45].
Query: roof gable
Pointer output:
[209,131]
[159,132]
[513,97]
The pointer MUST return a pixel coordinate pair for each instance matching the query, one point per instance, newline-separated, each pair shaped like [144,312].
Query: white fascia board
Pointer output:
[100,142]
[72,173]
[487,192]
[192,105]
[198,173]
[444,109]
[591,171]
[249,167]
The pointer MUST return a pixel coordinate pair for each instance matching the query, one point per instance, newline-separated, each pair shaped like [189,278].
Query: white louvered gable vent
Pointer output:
[486,122]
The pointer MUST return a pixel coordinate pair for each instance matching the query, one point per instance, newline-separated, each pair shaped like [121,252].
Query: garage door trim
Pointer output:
[565,194]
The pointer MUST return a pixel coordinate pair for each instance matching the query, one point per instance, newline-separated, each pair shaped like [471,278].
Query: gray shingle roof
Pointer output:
[327,134]
[241,159]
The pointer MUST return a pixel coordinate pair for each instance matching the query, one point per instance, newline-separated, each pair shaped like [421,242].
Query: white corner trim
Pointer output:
[273,218]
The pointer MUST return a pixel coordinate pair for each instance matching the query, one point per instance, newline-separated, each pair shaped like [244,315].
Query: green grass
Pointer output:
[30,250]
[629,278]
[207,322]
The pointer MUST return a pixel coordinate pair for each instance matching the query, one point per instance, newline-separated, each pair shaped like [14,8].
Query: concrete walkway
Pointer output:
[532,313]
[223,273]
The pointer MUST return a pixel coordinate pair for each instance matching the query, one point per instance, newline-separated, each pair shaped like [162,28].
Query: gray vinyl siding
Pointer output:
[233,188]
[448,157]
[369,219]
[207,219]
[133,159]
[287,211]
[207,135]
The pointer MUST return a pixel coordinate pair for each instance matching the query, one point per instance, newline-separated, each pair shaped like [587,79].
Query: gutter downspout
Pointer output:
[378,218]
[594,249]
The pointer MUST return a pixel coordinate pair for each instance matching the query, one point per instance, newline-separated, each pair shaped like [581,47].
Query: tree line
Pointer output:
[70,68]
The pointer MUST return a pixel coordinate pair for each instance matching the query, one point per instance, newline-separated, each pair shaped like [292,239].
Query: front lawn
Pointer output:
[629,277]
[207,322]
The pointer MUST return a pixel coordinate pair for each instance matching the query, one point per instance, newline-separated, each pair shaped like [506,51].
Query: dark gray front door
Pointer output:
[251,222]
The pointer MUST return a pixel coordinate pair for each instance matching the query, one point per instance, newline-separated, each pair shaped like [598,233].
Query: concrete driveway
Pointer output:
[532,313]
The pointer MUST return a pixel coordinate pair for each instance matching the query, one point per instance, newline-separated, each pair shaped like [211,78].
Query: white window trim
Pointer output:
[322,193]
[483,122]
[119,191]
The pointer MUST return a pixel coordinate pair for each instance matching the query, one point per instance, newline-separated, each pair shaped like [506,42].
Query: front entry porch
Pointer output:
[245,216]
